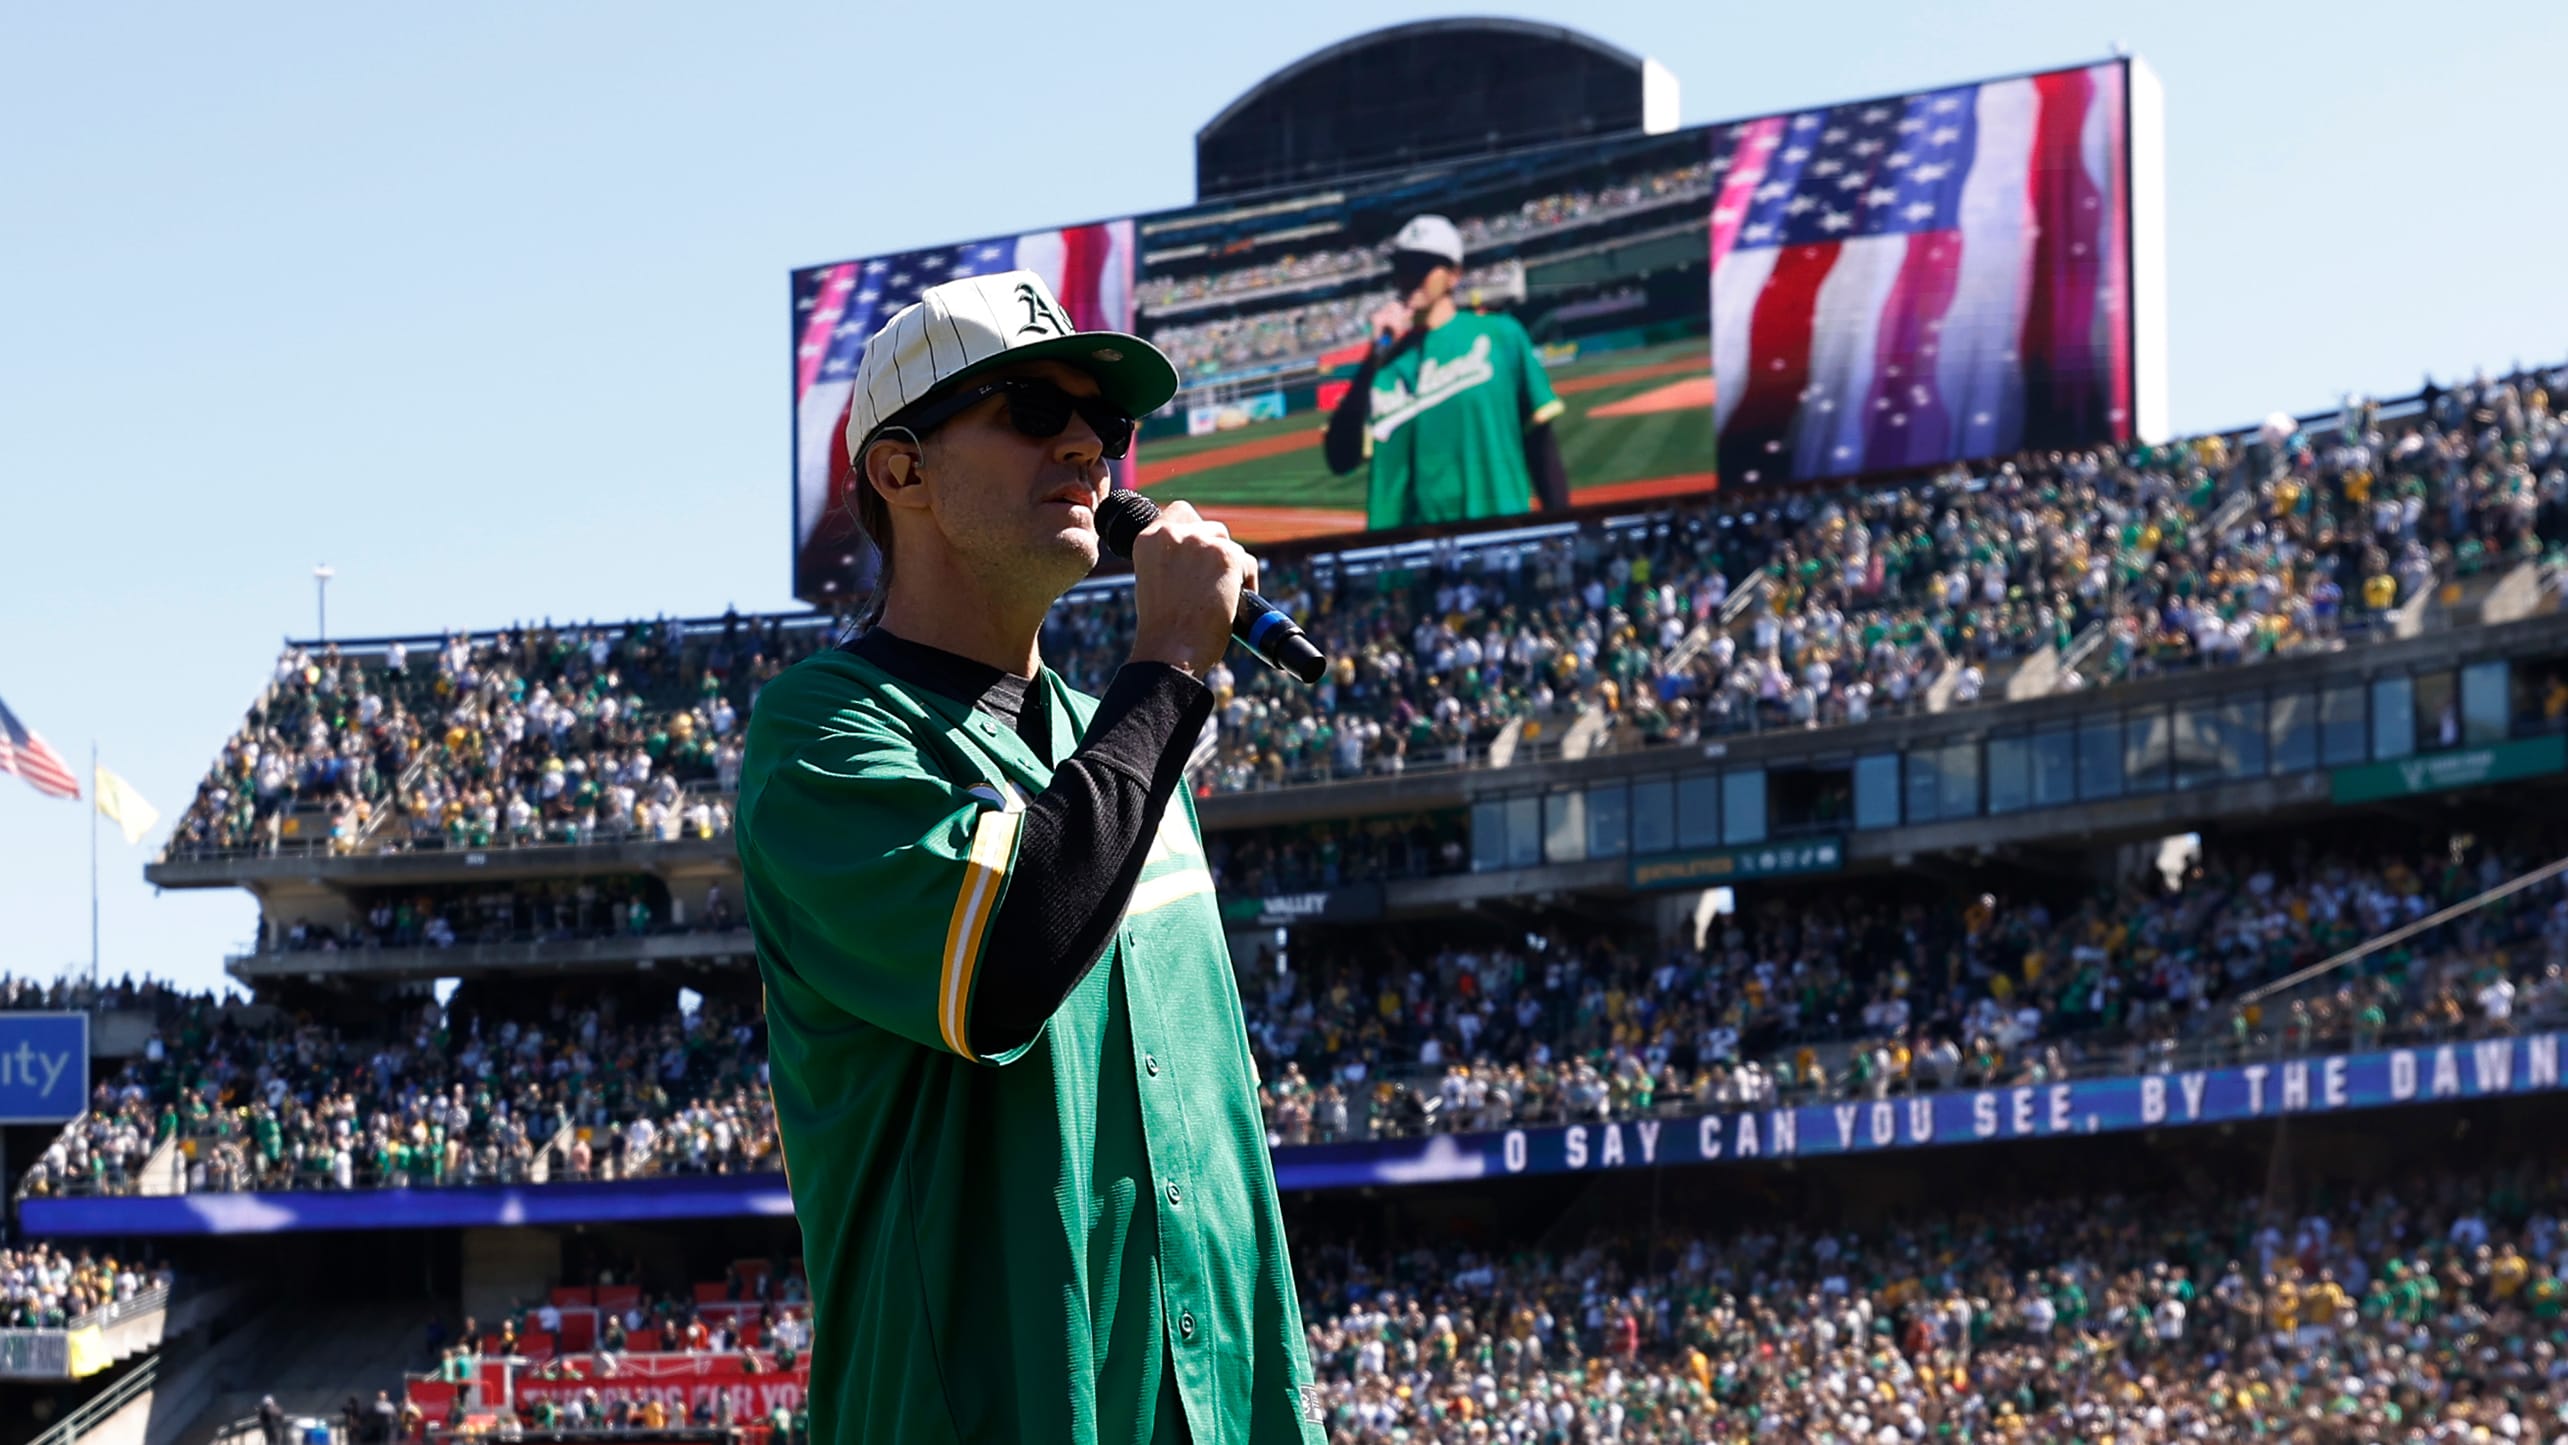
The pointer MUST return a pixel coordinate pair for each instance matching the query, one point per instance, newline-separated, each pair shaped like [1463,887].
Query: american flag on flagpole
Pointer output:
[838,309]
[24,753]
[1907,282]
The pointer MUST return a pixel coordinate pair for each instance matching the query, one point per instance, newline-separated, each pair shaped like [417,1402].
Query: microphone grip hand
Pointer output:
[1182,567]
[1188,577]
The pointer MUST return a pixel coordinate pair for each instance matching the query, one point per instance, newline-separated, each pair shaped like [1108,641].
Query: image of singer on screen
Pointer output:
[1450,411]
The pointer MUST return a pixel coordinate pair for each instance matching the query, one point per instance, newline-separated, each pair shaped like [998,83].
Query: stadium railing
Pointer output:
[198,1152]
[112,1333]
[133,1385]
[514,949]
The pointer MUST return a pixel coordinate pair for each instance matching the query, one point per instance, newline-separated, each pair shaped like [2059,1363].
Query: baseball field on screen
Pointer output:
[1638,426]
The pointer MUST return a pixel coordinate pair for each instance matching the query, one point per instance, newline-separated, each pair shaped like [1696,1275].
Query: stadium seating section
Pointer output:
[46,1288]
[2123,1318]
[1207,350]
[2212,551]
[2429,1311]
[1380,1033]
[611,1356]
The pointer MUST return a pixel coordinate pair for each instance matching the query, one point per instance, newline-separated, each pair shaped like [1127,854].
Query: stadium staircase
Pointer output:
[2036,674]
[388,807]
[312,1358]
[2083,646]
[1734,607]
[2521,592]
[165,1171]
[2231,513]
[1585,731]
[554,1156]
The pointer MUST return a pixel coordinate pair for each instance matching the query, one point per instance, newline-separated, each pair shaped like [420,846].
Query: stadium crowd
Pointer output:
[535,734]
[1207,350]
[1871,601]
[20,993]
[42,1288]
[527,911]
[1375,1033]
[1853,995]
[1530,218]
[2431,1312]
[292,1104]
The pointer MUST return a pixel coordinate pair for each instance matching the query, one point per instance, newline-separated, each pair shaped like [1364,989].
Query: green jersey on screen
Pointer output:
[1446,433]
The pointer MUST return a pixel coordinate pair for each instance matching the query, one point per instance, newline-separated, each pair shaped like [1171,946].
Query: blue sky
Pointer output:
[484,306]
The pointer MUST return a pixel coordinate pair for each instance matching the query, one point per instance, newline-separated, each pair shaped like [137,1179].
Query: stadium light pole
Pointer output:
[321,576]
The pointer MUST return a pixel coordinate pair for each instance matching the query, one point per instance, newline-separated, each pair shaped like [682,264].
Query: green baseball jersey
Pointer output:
[1015,1247]
[1446,431]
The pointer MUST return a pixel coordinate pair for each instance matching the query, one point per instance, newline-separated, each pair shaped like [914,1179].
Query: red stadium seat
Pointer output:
[579,1329]
[713,1293]
[618,1297]
[433,1397]
[491,1345]
[574,1296]
[748,1335]
[643,1342]
[535,1345]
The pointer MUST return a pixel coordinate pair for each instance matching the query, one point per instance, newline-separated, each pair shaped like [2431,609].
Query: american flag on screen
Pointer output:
[1906,282]
[24,753]
[839,308]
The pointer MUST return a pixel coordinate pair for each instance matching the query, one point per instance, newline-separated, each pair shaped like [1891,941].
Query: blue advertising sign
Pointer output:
[2331,1084]
[44,1067]
[2324,1085]
[694,1196]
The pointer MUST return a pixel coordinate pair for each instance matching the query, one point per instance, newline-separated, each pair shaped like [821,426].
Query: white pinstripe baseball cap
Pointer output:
[1430,236]
[963,328]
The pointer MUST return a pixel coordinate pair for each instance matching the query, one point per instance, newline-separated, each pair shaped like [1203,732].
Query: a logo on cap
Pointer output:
[1107,353]
[1040,318]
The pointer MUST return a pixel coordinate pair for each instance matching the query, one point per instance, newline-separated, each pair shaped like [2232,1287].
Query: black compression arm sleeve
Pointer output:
[1344,445]
[1081,848]
[1542,459]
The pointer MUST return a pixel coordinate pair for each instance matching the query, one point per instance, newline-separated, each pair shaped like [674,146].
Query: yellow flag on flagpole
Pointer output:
[122,806]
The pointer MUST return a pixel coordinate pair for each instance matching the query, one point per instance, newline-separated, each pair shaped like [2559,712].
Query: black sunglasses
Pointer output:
[1036,408]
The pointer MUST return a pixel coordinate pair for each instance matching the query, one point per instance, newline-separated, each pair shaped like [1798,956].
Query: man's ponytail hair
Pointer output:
[874,519]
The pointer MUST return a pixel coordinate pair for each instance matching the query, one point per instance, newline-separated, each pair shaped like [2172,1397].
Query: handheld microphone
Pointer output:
[1258,625]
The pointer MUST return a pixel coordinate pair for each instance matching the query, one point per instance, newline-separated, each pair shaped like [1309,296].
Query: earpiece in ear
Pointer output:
[908,465]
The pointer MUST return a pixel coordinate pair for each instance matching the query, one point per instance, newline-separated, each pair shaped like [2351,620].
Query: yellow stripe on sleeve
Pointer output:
[1546,412]
[993,841]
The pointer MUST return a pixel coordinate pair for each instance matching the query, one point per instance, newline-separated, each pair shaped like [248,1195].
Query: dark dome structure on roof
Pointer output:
[1422,93]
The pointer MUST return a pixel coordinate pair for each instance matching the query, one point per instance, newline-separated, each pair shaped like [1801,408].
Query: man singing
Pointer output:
[1451,411]
[1018,1112]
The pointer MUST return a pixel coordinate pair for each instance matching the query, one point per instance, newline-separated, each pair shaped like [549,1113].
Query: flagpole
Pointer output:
[93,870]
